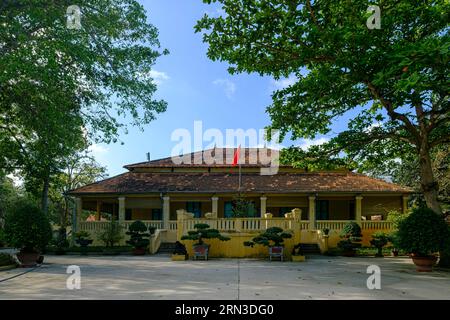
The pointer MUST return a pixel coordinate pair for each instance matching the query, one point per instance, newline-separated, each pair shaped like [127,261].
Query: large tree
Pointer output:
[392,83]
[59,84]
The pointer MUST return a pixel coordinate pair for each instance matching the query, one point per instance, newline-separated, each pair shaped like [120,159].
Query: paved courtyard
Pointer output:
[157,277]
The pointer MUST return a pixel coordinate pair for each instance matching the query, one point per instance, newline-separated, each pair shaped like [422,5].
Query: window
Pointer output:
[157,214]
[128,214]
[228,209]
[322,210]
[195,208]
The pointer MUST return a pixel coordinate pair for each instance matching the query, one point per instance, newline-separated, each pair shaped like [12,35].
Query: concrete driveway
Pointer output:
[157,277]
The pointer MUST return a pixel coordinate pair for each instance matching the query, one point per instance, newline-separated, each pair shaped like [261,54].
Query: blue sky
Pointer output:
[195,88]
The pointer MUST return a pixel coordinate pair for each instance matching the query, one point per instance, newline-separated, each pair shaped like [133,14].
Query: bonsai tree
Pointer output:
[179,249]
[27,228]
[379,240]
[138,236]
[112,234]
[351,238]
[297,250]
[151,230]
[271,237]
[422,233]
[203,231]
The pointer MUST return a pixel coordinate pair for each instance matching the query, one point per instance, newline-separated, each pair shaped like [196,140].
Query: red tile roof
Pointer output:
[216,157]
[307,182]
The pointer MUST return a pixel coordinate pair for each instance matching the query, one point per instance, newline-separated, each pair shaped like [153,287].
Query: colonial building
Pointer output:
[154,191]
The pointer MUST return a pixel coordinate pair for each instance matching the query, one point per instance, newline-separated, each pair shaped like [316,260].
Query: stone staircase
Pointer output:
[166,247]
[310,248]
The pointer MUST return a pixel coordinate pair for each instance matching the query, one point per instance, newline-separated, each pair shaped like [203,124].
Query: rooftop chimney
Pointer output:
[148,156]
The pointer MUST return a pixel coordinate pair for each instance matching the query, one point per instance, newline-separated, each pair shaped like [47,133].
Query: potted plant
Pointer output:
[138,237]
[28,229]
[152,230]
[351,239]
[82,238]
[60,243]
[110,236]
[297,253]
[422,234]
[273,238]
[395,217]
[326,232]
[179,253]
[203,231]
[379,240]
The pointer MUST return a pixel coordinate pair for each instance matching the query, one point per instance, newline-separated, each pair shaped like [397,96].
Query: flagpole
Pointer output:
[239,177]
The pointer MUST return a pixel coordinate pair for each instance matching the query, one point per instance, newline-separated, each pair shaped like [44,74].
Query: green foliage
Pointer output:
[394,81]
[351,237]
[81,235]
[62,87]
[138,235]
[271,237]
[422,233]
[396,217]
[203,231]
[112,234]
[2,238]
[379,240]
[243,208]
[27,227]
[6,259]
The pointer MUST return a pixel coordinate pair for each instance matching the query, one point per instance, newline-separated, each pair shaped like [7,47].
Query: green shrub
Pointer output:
[138,235]
[203,231]
[2,238]
[351,238]
[112,234]
[379,240]
[82,235]
[396,217]
[27,227]
[271,237]
[422,233]
[6,259]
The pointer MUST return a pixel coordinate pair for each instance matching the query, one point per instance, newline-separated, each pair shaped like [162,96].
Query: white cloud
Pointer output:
[283,83]
[307,143]
[158,76]
[228,86]
[98,150]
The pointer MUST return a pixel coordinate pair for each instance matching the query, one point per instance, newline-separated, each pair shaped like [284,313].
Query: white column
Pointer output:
[263,206]
[166,212]
[215,206]
[78,211]
[121,209]
[312,212]
[358,209]
[405,203]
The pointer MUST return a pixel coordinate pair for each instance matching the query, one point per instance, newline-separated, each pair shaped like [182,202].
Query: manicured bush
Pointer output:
[351,238]
[138,235]
[379,240]
[271,237]
[422,233]
[27,227]
[112,234]
[203,231]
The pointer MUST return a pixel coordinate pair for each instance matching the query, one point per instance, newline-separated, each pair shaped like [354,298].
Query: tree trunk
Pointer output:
[429,185]
[44,203]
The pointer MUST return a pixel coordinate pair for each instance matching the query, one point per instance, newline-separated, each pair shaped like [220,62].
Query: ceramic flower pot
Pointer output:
[424,264]
[28,259]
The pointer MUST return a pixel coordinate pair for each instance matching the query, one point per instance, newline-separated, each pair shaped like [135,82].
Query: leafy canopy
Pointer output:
[203,231]
[390,85]
[273,236]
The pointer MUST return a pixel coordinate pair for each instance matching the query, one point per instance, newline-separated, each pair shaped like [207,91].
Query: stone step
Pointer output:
[310,248]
